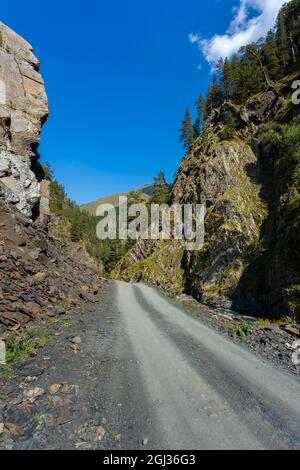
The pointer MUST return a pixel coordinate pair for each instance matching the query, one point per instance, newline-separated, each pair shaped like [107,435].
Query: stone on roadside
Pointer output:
[55,310]
[39,277]
[69,389]
[293,330]
[50,312]
[30,379]
[88,297]
[100,433]
[32,309]
[59,310]
[76,340]
[83,445]
[32,371]
[25,297]
[34,253]
[54,388]
[75,348]
[33,394]
[64,418]
[13,429]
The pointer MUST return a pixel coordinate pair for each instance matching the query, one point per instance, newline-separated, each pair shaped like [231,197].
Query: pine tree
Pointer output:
[48,172]
[254,51]
[234,75]
[197,128]
[219,69]
[271,56]
[252,75]
[187,131]
[202,108]
[161,189]
[214,97]
[135,197]
[293,25]
[283,41]
[227,79]
[201,115]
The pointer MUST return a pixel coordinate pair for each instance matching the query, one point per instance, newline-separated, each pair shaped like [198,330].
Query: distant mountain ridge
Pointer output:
[113,199]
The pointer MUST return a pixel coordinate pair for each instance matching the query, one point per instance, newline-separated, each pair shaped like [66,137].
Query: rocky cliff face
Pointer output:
[23,110]
[249,260]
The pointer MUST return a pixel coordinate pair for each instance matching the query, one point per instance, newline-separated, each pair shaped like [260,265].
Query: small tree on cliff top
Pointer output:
[161,189]
[187,131]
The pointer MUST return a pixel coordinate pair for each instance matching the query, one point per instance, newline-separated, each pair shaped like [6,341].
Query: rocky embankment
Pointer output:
[250,259]
[53,397]
[274,341]
[42,275]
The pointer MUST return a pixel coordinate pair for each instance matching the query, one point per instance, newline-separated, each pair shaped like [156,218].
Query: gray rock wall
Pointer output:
[23,110]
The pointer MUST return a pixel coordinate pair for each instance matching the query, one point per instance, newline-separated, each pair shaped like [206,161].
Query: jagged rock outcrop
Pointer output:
[23,110]
[249,260]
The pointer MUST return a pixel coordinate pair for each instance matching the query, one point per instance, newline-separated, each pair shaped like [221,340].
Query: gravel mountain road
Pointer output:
[135,371]
[199,390]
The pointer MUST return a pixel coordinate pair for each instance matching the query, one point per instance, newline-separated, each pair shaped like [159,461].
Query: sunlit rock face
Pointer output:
[23,110]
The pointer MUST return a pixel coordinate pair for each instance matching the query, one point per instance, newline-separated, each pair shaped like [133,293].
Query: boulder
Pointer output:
[32,309]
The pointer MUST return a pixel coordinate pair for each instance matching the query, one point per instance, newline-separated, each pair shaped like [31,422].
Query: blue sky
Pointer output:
[119,75]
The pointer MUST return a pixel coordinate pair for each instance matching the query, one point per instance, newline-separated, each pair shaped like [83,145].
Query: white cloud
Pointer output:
[242,29]
[193,38]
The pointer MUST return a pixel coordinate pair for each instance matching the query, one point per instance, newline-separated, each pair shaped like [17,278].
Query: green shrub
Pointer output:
[25,344]
[244,329]
[231,125]
[12,105]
